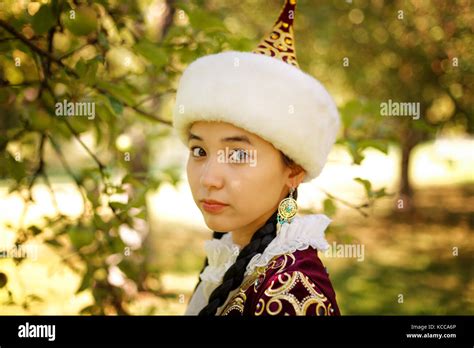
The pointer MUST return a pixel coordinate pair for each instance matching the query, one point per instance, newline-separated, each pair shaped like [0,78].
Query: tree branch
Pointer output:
[39,169]
[172,90]
[78,138]
[35,48]
[71,71]
[68,169]
[348,204]
[70,53]
[5,84]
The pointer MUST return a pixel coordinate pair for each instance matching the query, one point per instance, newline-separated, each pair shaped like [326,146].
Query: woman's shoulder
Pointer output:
[293,283]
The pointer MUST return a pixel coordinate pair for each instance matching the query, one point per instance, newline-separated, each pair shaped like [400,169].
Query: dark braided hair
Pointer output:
[235,274]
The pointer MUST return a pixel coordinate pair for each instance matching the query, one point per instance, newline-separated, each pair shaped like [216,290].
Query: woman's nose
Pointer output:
[212,173]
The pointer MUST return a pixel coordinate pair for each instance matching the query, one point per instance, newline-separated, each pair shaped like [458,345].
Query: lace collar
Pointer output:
[303,232]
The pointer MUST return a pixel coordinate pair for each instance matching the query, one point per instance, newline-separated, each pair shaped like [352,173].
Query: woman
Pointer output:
[257,127]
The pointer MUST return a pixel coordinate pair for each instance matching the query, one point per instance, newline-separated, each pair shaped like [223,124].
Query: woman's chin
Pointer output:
[217,223]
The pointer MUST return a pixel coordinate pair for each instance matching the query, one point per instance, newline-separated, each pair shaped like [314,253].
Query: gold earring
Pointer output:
[287,209]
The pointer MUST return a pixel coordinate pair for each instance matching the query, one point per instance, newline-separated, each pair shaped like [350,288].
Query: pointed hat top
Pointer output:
[280,42]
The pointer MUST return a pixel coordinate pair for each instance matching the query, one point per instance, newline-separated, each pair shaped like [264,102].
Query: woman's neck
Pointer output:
[243,235]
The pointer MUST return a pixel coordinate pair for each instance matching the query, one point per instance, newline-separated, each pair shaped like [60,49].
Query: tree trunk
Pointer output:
[406,201]
[405,182]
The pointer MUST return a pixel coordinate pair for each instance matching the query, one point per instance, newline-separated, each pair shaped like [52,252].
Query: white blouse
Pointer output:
[303,232]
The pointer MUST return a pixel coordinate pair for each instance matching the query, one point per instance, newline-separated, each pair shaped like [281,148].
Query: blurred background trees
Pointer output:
[126,57]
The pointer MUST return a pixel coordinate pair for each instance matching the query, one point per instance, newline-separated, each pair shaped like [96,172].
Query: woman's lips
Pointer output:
[213,207]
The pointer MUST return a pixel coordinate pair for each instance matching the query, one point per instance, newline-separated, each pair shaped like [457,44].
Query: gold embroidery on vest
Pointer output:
[280,290]
[237,302]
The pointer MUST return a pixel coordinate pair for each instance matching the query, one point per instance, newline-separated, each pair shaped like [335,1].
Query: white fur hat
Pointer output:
[265,93]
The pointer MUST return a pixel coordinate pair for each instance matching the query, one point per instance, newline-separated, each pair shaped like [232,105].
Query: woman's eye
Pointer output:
[238,155]
[197,151]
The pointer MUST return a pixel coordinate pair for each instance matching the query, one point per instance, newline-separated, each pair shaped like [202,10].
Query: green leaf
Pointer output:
[91,72]
[16,169]
[141,215]
[35,230]
[80,236]
[120,92]
[139,199]
[380,145]
[81,67]
[156,55]
[187,55]
[129,268]
[102,38]
[53,242]
[86,281]
[104,109]
[129,179]
[87,70]
[99,223]
[367,185]
[243,44]
[43,20]
[329,207]
[116,245]
[80,124]
[116,105]
[354,150]
[175,32]
[118,205]
[98,132]
[80,21]
[381,193]
[203,20]
[40,120]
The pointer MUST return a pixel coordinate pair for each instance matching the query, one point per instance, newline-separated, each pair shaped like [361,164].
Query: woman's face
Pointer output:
[238,168]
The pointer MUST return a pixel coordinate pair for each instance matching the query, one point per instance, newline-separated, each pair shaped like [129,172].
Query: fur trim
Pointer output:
[264,96]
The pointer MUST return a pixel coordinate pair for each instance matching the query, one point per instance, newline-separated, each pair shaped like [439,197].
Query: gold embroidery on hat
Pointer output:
[280,43]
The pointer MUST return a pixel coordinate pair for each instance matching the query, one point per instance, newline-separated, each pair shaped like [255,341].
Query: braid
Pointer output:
[235,274]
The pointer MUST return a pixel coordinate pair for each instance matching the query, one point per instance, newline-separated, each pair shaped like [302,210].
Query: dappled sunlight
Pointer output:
[12,206]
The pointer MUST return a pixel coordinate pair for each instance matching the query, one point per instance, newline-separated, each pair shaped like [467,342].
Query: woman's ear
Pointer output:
[296,176]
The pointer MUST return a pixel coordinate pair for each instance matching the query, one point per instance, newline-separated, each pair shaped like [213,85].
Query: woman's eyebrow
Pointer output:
[193,136]
[237,138]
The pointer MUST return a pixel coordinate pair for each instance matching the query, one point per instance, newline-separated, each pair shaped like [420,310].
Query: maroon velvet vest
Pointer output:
[290,284]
